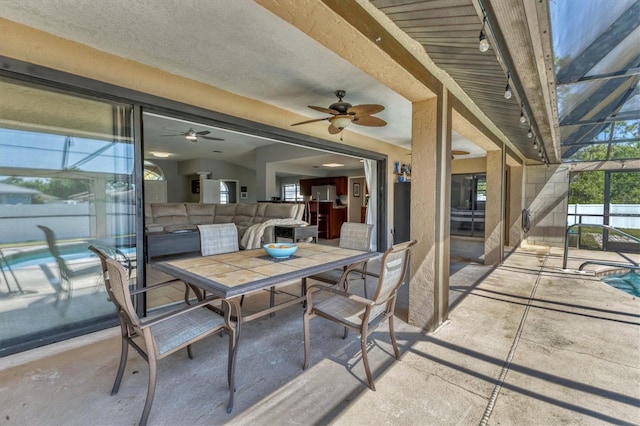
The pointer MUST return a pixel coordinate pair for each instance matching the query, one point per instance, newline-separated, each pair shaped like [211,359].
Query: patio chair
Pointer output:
[355,236]
[218,238]
[358,313]
[64,286]
[163,334]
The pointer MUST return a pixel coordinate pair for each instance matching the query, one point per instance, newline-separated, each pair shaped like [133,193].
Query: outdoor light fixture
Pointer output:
[535,144]
[484,43]
[507,90]
[523,119]
[530,133]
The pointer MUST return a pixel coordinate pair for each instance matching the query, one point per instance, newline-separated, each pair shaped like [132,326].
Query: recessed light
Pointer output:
[332,165]
[216,151]
[161,154]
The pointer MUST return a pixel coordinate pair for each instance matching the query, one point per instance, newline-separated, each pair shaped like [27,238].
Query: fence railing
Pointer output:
[578,225]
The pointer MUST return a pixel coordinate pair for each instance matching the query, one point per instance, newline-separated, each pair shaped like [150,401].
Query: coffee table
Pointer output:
[296,232]
[167,243]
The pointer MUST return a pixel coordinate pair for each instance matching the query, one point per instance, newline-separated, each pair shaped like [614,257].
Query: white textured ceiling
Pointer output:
[234,45]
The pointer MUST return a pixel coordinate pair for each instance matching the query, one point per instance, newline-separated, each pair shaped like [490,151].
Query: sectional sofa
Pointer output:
[254,221]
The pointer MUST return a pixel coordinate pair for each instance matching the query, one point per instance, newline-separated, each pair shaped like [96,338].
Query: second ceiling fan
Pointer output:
[192,135]
[342,114]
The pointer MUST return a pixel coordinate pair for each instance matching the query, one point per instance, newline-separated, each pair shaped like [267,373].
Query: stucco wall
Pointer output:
[546,190]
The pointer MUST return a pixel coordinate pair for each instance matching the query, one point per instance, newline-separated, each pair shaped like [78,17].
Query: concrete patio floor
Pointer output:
[526,343]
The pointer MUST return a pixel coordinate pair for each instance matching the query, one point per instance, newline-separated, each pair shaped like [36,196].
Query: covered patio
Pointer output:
[525,340]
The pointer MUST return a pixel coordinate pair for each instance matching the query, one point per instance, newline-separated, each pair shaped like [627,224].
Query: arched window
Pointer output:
[224,193]
[152,171]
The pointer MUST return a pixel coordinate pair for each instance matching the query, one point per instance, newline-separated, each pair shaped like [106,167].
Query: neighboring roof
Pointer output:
[12,189]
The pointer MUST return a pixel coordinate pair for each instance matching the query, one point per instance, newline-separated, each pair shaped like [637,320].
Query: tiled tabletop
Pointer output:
[242,272]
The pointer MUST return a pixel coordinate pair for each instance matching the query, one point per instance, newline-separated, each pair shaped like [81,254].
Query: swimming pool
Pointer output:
[39,256]
[628,282]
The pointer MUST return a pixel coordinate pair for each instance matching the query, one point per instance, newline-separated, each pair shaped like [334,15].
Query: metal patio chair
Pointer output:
[355,236]
[358,313]
[164,334]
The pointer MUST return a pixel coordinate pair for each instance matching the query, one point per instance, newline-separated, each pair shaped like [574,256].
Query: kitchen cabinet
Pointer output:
[341,183]
[337,216]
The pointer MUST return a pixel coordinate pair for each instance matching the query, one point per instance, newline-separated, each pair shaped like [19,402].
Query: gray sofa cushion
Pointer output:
[225,213]
[245,213]
[173,214]
[201,214]
[279,211]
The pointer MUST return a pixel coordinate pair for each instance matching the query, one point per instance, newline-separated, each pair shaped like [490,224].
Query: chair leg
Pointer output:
[364,280]
[307,349]
[346,333]
[393,338]
[151,390]
[124,351]
[365,360]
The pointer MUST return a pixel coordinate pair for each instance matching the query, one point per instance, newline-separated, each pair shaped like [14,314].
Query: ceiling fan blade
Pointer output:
[456,152]
[325,110]
[334,130]
[366,109]
[310,121]
[211,138]
[202,133]
[180,134]
[368,120]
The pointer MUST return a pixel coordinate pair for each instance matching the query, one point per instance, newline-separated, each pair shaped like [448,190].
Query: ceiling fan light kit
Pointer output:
[342,114]
[341,121]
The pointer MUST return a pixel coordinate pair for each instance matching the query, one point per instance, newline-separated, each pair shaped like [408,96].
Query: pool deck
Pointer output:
[525,343]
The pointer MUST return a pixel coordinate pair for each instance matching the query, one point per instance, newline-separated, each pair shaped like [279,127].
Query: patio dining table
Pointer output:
[233,275]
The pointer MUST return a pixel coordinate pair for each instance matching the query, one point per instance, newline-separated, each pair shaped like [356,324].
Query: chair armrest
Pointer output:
[173,314]
[342,293]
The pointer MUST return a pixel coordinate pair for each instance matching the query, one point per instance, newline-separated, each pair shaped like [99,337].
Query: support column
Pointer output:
[430,215]
[493,215]
[265,181]
[515,206]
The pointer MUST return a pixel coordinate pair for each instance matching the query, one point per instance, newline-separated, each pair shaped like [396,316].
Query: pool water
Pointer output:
[69,252]
[629,282]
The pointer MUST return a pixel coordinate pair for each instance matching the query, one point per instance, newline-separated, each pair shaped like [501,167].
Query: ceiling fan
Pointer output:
[192,135]
[457,152]
[343,113]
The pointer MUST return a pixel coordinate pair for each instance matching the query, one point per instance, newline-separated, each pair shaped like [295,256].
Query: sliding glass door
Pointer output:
[468,197]
[66,182]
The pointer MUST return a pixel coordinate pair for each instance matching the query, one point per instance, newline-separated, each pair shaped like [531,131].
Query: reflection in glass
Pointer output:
[66,182]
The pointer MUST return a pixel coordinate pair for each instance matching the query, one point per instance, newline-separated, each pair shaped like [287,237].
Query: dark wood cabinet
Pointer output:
[327,217]
[341,183]
[337,216]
